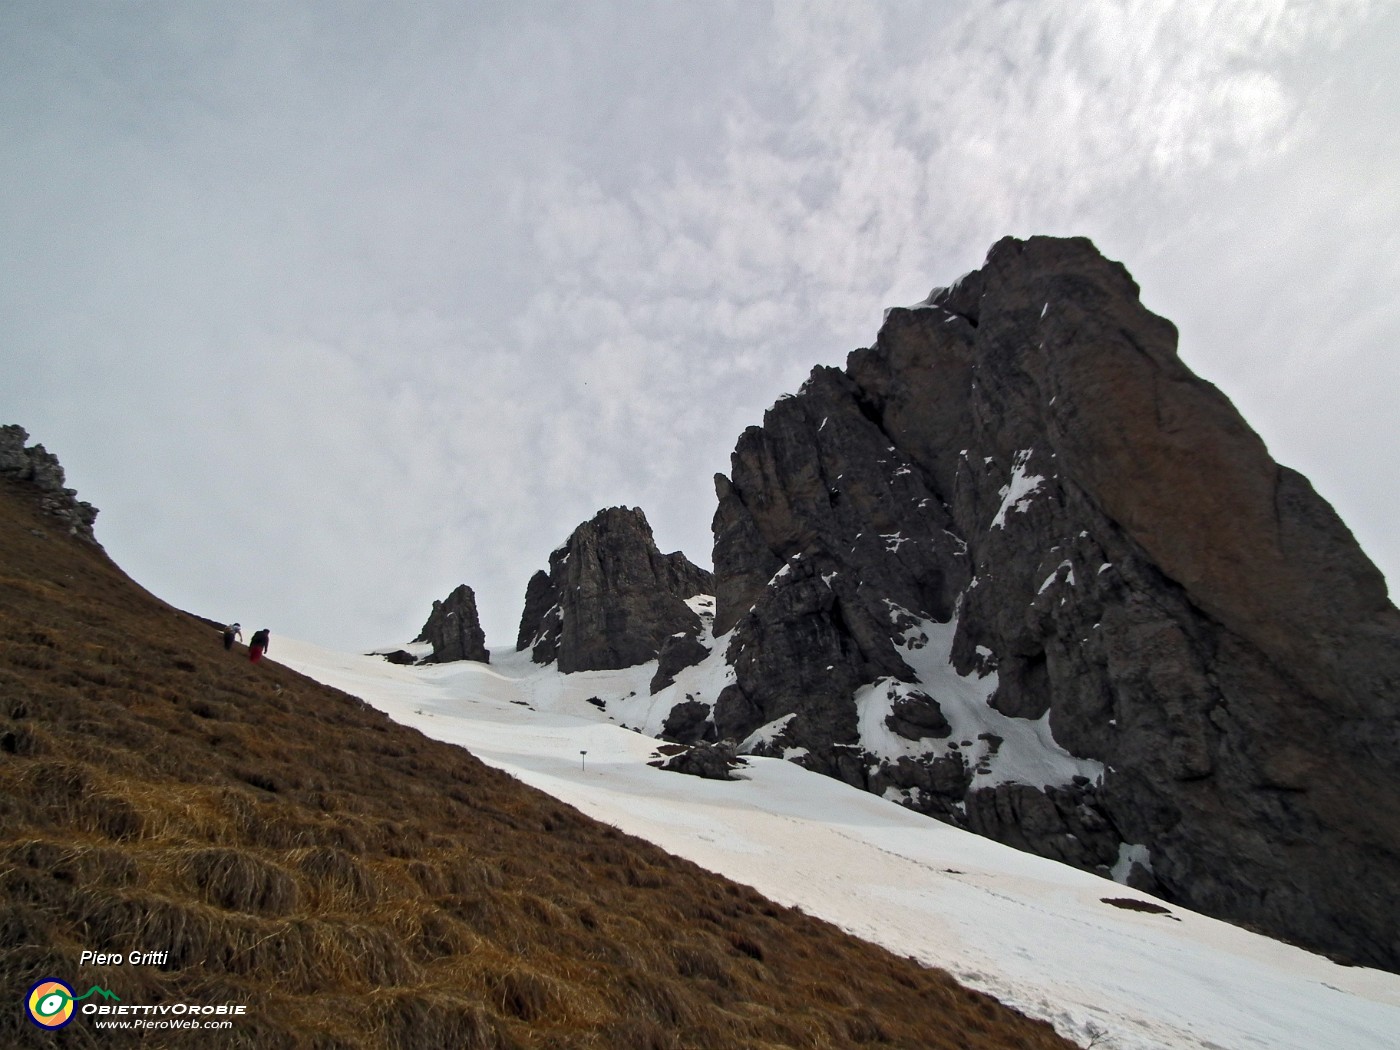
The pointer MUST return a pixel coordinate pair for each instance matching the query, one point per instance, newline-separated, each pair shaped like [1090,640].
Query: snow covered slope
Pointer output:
[1035,934]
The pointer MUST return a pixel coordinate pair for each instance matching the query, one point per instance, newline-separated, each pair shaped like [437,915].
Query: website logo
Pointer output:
[50,1002]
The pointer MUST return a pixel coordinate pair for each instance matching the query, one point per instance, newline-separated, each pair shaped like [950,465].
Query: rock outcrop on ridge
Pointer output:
[610,599]
[1017,567]
[454,629]
[41,468]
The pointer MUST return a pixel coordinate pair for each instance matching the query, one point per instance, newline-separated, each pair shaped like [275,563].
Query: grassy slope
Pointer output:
[355,883]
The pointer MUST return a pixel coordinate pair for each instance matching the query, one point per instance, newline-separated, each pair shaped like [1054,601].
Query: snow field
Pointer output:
[1033,933]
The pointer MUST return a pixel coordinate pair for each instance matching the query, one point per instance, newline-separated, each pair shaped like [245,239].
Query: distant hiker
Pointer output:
[231,632]
[258,645]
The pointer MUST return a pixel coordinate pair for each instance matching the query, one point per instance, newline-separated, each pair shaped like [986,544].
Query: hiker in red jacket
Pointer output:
[258,645]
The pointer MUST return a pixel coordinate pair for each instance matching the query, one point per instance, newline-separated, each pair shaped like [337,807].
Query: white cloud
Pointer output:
[844,174]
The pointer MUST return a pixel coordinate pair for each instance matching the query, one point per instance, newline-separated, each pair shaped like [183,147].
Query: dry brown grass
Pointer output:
[356,884]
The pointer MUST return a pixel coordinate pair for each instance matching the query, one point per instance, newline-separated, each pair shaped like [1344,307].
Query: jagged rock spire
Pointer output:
[610,599]
[454,629]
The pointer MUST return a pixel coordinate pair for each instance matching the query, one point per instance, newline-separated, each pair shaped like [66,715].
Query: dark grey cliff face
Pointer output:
[454,629]
[611,599]
[1019,522]
[41,469]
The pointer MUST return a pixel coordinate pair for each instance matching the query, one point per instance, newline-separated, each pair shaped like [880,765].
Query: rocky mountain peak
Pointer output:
[454,629]
[610,598]
[1020,569]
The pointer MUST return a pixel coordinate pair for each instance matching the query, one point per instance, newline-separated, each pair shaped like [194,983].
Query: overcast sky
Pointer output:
[329,307]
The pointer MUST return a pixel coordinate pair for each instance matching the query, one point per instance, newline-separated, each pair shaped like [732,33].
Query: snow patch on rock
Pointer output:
[1016,493]
[1129,855]
[998,748]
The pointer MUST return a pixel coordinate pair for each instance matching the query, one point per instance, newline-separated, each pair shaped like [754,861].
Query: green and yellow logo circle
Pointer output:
[50,1003]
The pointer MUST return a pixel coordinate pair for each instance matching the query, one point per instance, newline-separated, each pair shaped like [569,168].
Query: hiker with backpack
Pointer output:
[231,632]
[258,645]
